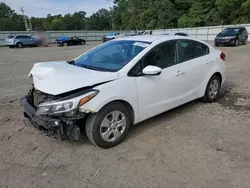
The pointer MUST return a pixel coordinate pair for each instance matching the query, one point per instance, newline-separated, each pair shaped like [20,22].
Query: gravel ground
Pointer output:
[194,146]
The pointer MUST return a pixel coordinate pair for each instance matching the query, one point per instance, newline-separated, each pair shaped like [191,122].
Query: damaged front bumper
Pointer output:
[61,128]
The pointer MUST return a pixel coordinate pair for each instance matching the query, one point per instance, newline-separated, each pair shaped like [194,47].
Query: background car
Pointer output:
[21,40]
[232,36]
[111,36]
[69,41]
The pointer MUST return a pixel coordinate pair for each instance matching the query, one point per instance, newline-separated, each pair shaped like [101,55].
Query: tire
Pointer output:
[96,131]
[19,45]
[211,96]
[64,44]
[245,41]
[236,42]
[83,42]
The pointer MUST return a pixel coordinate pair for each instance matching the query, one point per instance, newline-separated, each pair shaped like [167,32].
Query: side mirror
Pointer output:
[152,70]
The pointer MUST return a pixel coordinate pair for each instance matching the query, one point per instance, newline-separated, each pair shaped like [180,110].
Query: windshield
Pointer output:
[111,56]
[232,31]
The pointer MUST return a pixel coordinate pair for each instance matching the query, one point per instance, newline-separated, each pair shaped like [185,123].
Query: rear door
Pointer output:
[195,61]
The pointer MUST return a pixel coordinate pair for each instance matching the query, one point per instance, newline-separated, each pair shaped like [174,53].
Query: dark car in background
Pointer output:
[70,41]
[20,41]
[232,36]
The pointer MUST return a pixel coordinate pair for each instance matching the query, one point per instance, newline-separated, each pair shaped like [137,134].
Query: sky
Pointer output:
[40,8]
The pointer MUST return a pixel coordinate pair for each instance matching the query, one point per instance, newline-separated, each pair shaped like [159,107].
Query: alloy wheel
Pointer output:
[213,89]
[113,126]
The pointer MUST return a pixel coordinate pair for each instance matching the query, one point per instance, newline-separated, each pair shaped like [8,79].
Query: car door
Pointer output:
[195,62]
[23,39]
[159,93]
[74,41]
[30,40]
[70,41]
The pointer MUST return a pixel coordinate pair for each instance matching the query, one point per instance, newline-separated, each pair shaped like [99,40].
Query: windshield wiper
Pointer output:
[94,68]
[71,62]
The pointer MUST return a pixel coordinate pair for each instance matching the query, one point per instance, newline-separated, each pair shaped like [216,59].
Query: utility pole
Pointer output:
[25,20]
[31,29]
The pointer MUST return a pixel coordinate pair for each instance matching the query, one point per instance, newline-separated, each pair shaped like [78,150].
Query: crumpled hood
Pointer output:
[59,77]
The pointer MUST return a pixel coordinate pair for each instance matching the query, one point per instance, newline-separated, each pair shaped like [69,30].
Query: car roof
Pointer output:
[151,38]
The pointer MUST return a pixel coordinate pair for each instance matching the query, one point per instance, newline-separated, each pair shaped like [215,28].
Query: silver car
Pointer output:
[21,40]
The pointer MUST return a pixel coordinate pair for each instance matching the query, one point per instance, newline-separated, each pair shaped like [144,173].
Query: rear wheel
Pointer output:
[19,45]
[212,90]
[109,126]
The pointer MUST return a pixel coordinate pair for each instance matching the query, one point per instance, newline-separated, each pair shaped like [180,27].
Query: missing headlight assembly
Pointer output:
[57,115]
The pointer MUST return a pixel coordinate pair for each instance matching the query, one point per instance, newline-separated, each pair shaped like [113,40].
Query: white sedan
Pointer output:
[121,83]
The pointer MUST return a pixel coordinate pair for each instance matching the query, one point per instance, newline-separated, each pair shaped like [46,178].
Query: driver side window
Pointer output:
[163,56]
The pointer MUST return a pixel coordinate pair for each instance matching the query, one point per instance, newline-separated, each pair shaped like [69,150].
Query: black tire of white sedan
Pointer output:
[212,90]
[109,126]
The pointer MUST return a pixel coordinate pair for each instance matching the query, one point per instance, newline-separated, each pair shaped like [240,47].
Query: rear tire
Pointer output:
[107,130]
[19,45]
[212,89]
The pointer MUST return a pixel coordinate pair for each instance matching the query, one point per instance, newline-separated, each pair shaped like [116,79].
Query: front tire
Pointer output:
[212,90]
[236,42]
[109,126]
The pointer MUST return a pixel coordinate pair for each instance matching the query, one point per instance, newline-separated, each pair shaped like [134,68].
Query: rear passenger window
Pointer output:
[205,49]
[190,49]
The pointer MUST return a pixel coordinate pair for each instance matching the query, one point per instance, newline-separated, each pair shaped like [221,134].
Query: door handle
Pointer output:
[179,73]
[209,62]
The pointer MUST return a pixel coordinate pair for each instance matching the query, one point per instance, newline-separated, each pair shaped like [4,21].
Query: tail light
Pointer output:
[223,56]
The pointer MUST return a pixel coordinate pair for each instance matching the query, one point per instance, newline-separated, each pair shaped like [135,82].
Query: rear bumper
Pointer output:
[51,126]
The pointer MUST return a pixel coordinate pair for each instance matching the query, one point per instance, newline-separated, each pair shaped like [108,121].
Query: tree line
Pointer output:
[138,14]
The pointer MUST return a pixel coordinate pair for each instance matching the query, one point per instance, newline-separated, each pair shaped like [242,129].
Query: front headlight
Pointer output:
[64,106]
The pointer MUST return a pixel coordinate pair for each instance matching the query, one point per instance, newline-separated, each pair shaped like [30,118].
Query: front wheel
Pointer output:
[109,126]
[237,42]
[245,41]
[212,90]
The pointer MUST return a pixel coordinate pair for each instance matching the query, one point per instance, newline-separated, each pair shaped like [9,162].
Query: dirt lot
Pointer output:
[178,149]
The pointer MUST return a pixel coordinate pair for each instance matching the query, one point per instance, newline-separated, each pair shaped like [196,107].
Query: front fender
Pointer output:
[122,89]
